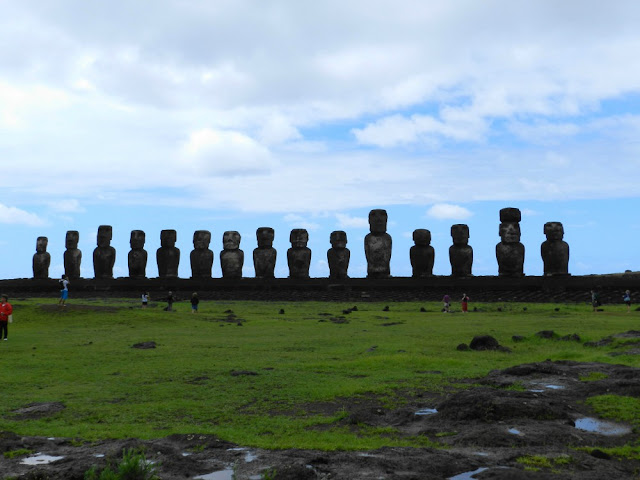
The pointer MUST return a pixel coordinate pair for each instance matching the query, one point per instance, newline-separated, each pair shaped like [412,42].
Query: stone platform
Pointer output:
[479,288]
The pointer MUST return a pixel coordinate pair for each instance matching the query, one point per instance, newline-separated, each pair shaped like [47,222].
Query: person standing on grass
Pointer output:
[465,303]
[595,300]
[145,299]
[627,299]
[64,291]
[5,315]
[170,300]
[447,303]
[194,302]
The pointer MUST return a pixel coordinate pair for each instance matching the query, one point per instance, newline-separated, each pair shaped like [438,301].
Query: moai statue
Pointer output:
[299,255]
[41,259]
[231,258]
[137,258]
[72,255]
[264,257]
[201,257]
[422,253]
[555,251]
[168,255]
[338,255]
[460,253]
[377,246]
[510,252]
[104,255]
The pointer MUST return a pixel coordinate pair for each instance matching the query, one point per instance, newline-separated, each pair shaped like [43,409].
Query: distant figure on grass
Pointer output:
[5,316]
[447,303]
[194,302]
[64,290]
[465,303]
[627,299]
[145,299]
[170,300]
[595,300]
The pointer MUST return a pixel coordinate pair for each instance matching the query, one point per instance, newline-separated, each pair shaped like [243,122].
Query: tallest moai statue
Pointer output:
[510,252]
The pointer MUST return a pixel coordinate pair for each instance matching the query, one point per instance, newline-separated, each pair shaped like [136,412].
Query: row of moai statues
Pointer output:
[377,247]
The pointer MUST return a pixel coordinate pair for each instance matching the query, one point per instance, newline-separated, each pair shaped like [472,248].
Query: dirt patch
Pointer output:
[481,429]
[38,410]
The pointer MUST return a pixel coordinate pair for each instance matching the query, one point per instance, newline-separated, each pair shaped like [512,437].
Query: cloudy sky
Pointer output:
[235,114]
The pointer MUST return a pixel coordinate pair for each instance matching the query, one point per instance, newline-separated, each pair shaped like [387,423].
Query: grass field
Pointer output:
[254,377]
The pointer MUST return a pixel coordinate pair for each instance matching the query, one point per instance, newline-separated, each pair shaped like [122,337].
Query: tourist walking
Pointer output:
[145,299]
[170,300]
[446,300]
[595,300]
[465,302]
[6,311]
[627,299]
[194,302]
[64,290]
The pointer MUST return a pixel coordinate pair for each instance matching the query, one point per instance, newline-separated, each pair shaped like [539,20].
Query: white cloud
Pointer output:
[444,211]
[13,215]
[223,152]
[348,221]
[298,221]
[69,205]
[456,124]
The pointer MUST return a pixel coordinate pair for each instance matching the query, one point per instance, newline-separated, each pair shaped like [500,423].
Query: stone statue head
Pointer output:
[510,227]
[231,240]
[105,233]
[422,237]
[41,244]
[554,231]
[299,237]
[378,221]
[72,238]
[460,234]
[509,232]
[201,239]
[265,236]
[338,239]
[168,238]
[137,239]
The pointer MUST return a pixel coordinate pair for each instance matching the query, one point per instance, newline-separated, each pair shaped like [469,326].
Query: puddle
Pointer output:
[541,387]
[186,454]
[249,456]
[514,431]
[468,475]
[427,411]
[98,455]
[481,454]
[603,427]
[219,475]
[39,459]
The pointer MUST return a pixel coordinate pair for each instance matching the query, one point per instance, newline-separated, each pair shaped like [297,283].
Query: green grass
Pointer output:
[133,466]
[293,371]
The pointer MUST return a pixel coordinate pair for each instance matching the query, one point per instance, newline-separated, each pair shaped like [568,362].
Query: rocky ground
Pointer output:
[486,429]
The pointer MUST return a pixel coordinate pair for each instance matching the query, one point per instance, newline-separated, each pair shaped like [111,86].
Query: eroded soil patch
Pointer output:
[526,410]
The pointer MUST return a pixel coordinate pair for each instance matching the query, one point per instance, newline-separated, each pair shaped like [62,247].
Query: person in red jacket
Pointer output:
[5,310]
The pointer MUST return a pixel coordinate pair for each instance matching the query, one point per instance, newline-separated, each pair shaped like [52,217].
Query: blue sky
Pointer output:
[232,115]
